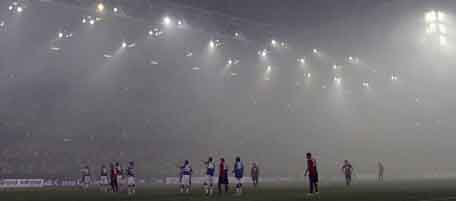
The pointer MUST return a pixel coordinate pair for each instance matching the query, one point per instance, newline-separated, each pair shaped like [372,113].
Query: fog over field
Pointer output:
[268,81]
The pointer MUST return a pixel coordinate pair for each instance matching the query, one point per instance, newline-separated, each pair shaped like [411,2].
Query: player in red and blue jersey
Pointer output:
[223,176]
[312,172]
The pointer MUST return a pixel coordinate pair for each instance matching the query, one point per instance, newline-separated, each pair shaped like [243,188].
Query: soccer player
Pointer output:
[255,174]
[312,172]
[114,183]
[119,176]
[186,172]
[238,174]
[104,178]
[131,189]
[381,169]
[210,172]
[223,176]
[85,177]
[347,169]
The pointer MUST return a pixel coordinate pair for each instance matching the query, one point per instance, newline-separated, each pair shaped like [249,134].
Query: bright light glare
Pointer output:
[431,16]
[2,23]
[10,8]
[92,22]
[115,9]
[179,22]
[263,53]
[337,80]
[84,20]
[19,9]
[315,51]
[432,28]
[308,75]
[394,78]
[60,35]
[441,16]
[268,69]
[166,20]
[100,7]
[230,62]
[211,44]
[335,67]
[442,29]
[302,60]
[236,34]
[124,44]
[443,40]
[366,84]
[273,42]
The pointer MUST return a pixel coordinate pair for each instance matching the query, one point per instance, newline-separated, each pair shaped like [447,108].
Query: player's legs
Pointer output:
[347,179]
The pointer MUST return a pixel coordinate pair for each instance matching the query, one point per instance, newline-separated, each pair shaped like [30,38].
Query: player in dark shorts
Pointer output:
[312,172]
[347,169]
[255,174]
[114,183]
[223,176]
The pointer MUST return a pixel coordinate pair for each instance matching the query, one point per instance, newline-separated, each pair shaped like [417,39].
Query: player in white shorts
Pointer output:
[238,174]
[119,175]
[210,172]
[85,177]
[186,172]
[104,182]
[131,178]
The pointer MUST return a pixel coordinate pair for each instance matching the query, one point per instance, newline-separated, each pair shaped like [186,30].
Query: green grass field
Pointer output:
[388,191]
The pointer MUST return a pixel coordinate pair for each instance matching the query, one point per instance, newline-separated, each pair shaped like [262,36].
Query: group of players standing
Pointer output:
[112,181]
[238,171]
[116,176]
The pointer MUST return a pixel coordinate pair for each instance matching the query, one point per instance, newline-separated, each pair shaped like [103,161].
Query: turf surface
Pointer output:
[388,191]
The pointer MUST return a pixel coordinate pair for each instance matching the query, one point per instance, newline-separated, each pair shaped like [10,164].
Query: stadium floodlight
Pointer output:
[273,43]
[337,80]
[124,44]
[443,40]
[92,22]
[115,9]
[366,84]
[60,34]
[236,34]
[100,7]
[167,20]
[441,16]
[442,29]
[315,51]
[268,69]
[263,52]
[394,77]
[211,44]
[301,60]
[432,28]
[84,20]
[10,8]
[230,62]
[179,22]
[430,16]
[19,9]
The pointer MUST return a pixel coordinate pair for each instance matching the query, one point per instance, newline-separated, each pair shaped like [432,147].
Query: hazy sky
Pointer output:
[66,102]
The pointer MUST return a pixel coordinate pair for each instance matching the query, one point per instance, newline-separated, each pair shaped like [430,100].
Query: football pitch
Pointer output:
[431,190]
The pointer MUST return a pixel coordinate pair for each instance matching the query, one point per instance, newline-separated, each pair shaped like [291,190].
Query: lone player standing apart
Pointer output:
[312,172]
[255,174]
[381,169]
[347,169]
